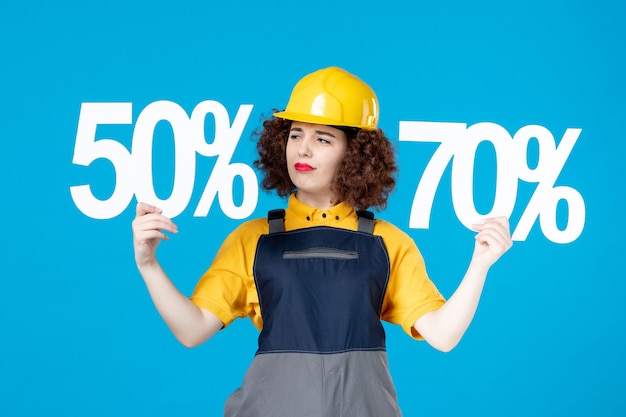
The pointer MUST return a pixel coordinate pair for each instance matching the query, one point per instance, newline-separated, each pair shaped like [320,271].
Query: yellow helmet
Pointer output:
[332,96]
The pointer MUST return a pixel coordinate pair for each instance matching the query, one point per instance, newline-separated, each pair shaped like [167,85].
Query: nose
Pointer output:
[304,148]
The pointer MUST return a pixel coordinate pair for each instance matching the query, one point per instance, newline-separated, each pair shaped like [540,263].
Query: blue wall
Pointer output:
[534,92]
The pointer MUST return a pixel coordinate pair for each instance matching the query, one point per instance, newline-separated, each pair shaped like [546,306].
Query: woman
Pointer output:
[318,277]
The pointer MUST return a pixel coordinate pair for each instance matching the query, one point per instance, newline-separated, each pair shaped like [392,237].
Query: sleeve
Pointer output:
[410,292]
[224,288]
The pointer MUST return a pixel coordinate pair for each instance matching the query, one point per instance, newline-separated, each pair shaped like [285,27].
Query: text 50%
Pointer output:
[133,170]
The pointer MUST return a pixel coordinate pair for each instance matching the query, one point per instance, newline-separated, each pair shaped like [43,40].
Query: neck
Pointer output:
[321,202]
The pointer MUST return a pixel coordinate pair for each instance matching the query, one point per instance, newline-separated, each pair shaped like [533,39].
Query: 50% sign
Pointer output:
[459,144]
[133,170]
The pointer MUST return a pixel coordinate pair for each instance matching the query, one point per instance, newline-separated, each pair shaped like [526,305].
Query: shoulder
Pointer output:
[243,239]
[397,241]
[390,231]
[250,228]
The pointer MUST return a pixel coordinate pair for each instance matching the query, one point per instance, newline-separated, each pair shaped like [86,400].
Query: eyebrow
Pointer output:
[319,132]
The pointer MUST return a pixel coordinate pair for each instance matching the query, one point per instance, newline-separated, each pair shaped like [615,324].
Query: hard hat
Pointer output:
[332,96]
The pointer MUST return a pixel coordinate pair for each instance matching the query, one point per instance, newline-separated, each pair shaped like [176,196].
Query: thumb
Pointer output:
[145,208]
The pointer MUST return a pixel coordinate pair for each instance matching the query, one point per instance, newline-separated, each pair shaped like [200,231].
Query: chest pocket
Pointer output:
[321,253]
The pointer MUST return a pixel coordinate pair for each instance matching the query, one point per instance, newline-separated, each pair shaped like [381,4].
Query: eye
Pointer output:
[294,136]
[322,140]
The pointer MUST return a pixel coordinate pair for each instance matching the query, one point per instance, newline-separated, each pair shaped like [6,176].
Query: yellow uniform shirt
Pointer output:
[227,288]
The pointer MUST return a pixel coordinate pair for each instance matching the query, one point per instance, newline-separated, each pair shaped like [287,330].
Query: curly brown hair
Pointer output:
[366,176]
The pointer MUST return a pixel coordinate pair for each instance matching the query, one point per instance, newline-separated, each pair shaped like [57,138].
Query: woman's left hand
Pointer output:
[492,241]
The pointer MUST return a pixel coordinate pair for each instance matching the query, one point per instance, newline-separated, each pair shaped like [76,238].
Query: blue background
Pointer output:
[79,333]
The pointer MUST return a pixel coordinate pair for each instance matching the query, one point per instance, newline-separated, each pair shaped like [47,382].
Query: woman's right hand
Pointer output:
[148,227]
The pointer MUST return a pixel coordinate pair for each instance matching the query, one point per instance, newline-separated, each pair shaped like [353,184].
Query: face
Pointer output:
[314,153]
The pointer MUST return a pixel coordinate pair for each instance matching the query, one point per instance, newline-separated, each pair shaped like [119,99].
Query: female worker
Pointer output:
[317,278]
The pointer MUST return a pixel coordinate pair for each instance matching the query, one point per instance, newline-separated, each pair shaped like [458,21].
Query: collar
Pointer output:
[306,215]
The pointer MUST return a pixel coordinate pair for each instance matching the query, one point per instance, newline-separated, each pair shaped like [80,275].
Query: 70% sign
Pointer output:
[459,144]
[133,170]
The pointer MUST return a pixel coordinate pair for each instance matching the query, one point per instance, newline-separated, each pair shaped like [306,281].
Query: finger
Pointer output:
[502,221]
[495,237]
[490,238]
[495,229]
[499,224]
[491,245]
[145,208]
[155,222]
[148,235]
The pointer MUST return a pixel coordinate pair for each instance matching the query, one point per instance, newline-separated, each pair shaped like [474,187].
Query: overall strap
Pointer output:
[276,220]
[366,221]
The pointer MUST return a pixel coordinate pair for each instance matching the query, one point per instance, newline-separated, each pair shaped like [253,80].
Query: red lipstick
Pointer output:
[301,167]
